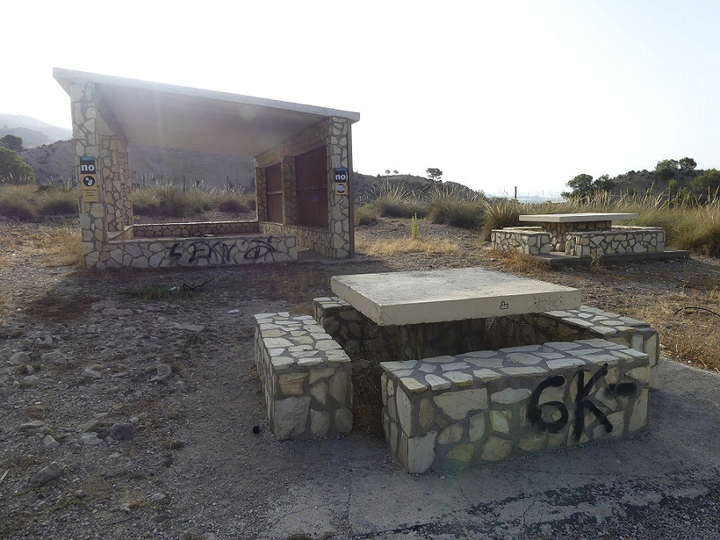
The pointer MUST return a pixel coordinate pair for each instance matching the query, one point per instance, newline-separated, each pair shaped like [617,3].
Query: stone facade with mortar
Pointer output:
[593,243]
[335,241]
[617,241]
[453,411]
[365,341]
[305,376]
[111,240]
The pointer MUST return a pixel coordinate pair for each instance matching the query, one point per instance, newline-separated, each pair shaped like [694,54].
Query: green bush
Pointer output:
[500,214]
[16,202]
[457,213]
[54,201]
[399,208]
[235,204]
[13,169]
[366,215]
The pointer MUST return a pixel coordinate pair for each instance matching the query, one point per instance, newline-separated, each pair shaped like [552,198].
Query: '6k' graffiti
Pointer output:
[583,402]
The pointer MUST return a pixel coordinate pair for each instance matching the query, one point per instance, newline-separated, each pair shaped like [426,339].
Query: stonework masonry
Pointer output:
[110,239]
[452,411]
[593,243]
[305,375]
[335,240]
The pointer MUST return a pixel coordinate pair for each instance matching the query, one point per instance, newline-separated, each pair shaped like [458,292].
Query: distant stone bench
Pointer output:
[305,375]
[452,411]
[616,241]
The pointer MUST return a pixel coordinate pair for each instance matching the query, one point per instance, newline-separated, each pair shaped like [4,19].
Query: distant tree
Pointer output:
[687,164]
[706,185]
[583,186]
[12,142]
[395,171]
[387,171]
[666,169]
[13,170]
[434,174]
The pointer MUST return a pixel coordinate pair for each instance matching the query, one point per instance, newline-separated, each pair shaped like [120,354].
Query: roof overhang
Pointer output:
[169,116]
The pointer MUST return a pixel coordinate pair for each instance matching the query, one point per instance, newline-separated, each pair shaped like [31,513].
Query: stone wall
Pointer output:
[527,240]
[199,251]
[365,341]
[452,411]
[195,228]
[305,375]
[558,231]
[335,241]
[618,240]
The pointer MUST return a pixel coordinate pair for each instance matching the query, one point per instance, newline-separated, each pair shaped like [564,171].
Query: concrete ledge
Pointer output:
[305,375]
[453,411]
[560,259]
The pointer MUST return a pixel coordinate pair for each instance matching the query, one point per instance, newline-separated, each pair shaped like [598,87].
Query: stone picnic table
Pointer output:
[415,297]
[559,225]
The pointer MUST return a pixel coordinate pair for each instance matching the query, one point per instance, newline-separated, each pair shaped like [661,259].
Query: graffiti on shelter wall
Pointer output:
[553,416]
[223,252]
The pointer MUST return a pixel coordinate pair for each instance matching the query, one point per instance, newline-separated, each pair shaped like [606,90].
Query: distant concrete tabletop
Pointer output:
[399,298]
[577,218]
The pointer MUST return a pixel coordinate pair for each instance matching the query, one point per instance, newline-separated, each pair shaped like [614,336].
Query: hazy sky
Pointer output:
[525,93]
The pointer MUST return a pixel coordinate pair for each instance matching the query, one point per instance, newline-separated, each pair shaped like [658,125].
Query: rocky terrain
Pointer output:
[130,406]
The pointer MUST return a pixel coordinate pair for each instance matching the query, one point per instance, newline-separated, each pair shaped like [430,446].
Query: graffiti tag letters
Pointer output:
[222,252]
[553,416]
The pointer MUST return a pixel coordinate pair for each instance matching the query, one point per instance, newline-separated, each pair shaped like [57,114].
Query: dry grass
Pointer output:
[399,246]
[688,334]
[58,246]
[519,263]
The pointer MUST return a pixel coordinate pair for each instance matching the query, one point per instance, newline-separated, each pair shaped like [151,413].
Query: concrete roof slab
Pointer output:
[577,218]
[171,116]
[398,298]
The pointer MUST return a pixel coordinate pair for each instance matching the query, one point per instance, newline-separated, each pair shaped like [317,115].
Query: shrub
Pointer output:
[366,215]
[16,203]
[236,204]
[13,169]
[500,214]
[457,213]
[57,201]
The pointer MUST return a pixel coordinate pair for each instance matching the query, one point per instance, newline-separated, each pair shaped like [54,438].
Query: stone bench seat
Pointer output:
[305,376]
[468,409]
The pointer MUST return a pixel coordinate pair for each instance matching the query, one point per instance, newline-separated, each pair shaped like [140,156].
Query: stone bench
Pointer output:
[452,411]
[305,375]
[616,241]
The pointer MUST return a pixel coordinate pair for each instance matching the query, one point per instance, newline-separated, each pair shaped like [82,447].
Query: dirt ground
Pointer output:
[129,400]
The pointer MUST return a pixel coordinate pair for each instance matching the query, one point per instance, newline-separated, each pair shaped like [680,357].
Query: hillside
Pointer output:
[646,182]
[33,132]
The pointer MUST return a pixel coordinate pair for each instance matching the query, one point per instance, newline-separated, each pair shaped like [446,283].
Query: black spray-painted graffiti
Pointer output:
[221,251]
[544,415]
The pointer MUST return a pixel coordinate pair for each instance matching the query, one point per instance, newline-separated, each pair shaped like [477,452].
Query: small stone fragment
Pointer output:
[122,432]
[46,474]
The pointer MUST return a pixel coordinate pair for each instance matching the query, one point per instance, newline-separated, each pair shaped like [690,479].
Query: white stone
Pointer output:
[319,423]
[477,427]
[511,395]
[457,404]
[412,385]
[405,411]
[459,378]
[640,374]
[462,453]
[496,449]
[500,421]
[421,452]
[639,416]
[532,441]
[452,433]
[290,416]
[320,391]
[343,420]
[339,385]
[437,383]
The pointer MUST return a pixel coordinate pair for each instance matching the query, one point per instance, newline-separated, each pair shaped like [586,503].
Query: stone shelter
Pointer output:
[303,172]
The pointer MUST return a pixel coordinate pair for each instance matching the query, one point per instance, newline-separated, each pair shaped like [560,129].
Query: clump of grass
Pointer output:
[398,246]
[367,399]
[687,333]
[366,215]
[57,201]
[520,263]
[456,213]
[16,202]
[59,246]
[414,227]
[235,204]
[500,214]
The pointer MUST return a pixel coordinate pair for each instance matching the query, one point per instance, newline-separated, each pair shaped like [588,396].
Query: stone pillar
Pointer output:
[339,205]
[289,187]
[93,223]
[260,195]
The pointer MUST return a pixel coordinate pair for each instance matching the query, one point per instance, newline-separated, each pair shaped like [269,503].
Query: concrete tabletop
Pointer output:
[399,298]
[577,218]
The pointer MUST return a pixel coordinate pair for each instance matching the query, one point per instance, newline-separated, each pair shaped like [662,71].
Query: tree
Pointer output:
[583,186]
[12,142]
[387,171]
[687,164]
[13,170]
[666,169]
[707,184]
[434,174]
